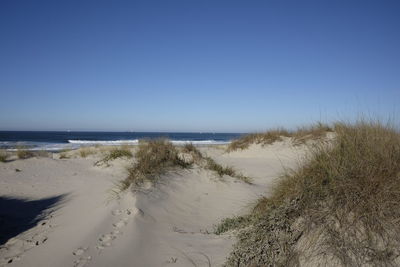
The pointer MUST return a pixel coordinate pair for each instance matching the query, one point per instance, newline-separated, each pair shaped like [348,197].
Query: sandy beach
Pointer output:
[62,212]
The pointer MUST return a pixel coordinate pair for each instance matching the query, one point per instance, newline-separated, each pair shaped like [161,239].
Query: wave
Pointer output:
[136,141]
[75,144]
[40,147]
[104,142]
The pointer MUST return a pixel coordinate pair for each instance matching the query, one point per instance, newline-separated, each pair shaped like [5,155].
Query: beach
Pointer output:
[71,216]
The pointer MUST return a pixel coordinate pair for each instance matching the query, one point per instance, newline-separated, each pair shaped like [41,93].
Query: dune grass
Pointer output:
[86,151]
[115,153]
[155,158]
[64,154]
[3,156]
[218,169]
[209,163]
[342,206]
[23,153]
[234,223]
[299,136]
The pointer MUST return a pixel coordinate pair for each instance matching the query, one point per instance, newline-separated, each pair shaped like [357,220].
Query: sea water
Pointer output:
[57,140]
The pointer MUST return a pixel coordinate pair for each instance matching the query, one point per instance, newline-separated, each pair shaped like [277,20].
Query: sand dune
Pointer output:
[74,220]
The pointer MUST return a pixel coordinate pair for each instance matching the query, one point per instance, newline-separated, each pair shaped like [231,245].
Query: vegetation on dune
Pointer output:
[64,154]
[341,207]
[212,165]
[299,136]
[153,158]
[156,157]
[234,223]
[209,163]
[115,153]
[23,153]
[3,156]
[265,138]
[86,151]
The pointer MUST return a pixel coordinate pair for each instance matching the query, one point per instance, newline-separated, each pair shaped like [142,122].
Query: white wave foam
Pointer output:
[74,144]
[103,142]
[46,147]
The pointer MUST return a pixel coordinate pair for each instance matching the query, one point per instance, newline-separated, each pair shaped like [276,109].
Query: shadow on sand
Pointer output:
[18,215]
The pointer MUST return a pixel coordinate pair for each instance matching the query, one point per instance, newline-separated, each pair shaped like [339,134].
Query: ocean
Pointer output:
[56,141]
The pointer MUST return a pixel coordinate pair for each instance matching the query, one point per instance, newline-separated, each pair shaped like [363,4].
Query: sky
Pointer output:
[220,66]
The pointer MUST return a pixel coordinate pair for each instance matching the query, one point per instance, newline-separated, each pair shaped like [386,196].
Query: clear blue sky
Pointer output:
[196,65]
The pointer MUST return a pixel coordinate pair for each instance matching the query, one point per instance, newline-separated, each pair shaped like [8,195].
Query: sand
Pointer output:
[62,212]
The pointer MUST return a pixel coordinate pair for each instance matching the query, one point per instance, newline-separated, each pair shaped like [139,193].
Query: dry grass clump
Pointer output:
[220,170]
[156,157]
[192,150]
[64,154]
[3,156]
[23,153]
[313,132]
[228,224]
[299,136]
[42,153]
[265,138]
[86,151]
[342,205]
[115,153]
[153,158]
[210,164]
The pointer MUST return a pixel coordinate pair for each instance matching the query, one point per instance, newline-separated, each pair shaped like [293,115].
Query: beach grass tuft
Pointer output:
[342,205]
[64,154]
[156,157]
[3,156]
[153,159]
[115,153]
[228,224]
[209,163]
[86,151]
[23,153]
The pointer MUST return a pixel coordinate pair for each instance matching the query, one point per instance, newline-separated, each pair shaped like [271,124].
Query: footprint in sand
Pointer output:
[106,239]
[121,223]
[116,212]
[79,251]
[81,262]
[15,247]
